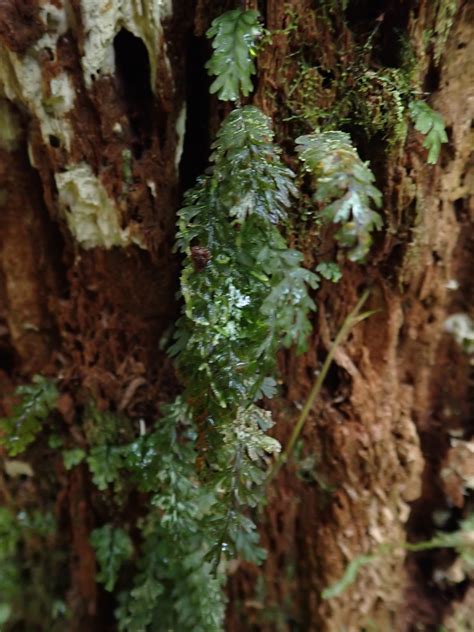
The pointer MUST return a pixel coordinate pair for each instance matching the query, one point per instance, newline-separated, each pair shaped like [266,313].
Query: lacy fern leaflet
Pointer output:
[234,35]
[346,183]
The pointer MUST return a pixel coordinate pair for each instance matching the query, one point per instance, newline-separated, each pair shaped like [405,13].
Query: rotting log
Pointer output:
[105,119]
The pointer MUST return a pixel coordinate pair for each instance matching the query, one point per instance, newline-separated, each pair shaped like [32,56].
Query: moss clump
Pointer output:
[445,14]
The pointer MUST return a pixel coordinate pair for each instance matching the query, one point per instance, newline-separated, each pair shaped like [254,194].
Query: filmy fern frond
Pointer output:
[19,429]
[345,184]
[252,178]
[251,293]
[245,295]
[234,35]
[113,546]
[237,481]
[431,124]
[174,587]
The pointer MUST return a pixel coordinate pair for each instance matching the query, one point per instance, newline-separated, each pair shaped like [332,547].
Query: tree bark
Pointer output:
[105,120]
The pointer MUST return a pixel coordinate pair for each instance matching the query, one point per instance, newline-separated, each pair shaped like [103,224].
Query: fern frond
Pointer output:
[239,473]
[252,179]
[20,428]
[113,547]
[251,294]
[245,295]
[329,271]
[21,532]
[234,35]
[346,183]
[431,124]
[104,462]
[174,587]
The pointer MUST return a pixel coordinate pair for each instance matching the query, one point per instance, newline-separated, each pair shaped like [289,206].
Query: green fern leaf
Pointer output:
[104,462]
[174,587]
[239,475]
[345,185]
[245,295]
[431,124]
[234,35]
[329,271]
[19,430]
[73,457]
[252,178]
[250,294]
[113,547]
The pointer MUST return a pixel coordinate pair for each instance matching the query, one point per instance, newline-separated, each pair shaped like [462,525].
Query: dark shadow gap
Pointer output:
[197,139]
[133,76]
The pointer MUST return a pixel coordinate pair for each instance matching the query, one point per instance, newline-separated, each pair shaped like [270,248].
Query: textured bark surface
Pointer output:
[94,316]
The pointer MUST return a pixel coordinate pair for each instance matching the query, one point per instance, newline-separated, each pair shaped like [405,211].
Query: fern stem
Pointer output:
[353,318]
[447,541]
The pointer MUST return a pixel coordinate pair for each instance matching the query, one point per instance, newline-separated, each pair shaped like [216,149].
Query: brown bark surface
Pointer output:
[380,435]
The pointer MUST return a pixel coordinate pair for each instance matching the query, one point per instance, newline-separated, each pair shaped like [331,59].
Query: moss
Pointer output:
[374,101]
[445,13]
[344,85]
[306,95]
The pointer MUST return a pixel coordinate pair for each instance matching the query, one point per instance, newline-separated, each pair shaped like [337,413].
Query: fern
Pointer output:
[431,124]
[249,297]
[73,457]
[113,547]
[346,183]
[192,519]
[22,603]
[20,428]
[234,36]
[229,332]
[104,463]
[329,271]
[245,294]
[240,472]
[247,165]
[174,587]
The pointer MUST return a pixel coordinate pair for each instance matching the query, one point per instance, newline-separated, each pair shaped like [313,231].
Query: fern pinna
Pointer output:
[347,183]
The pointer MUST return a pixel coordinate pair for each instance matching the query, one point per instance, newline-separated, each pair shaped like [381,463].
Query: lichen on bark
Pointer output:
[92,216]
[102,20]
[39,76]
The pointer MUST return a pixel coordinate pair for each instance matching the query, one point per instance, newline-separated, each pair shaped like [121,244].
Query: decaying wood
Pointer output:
[95,316]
